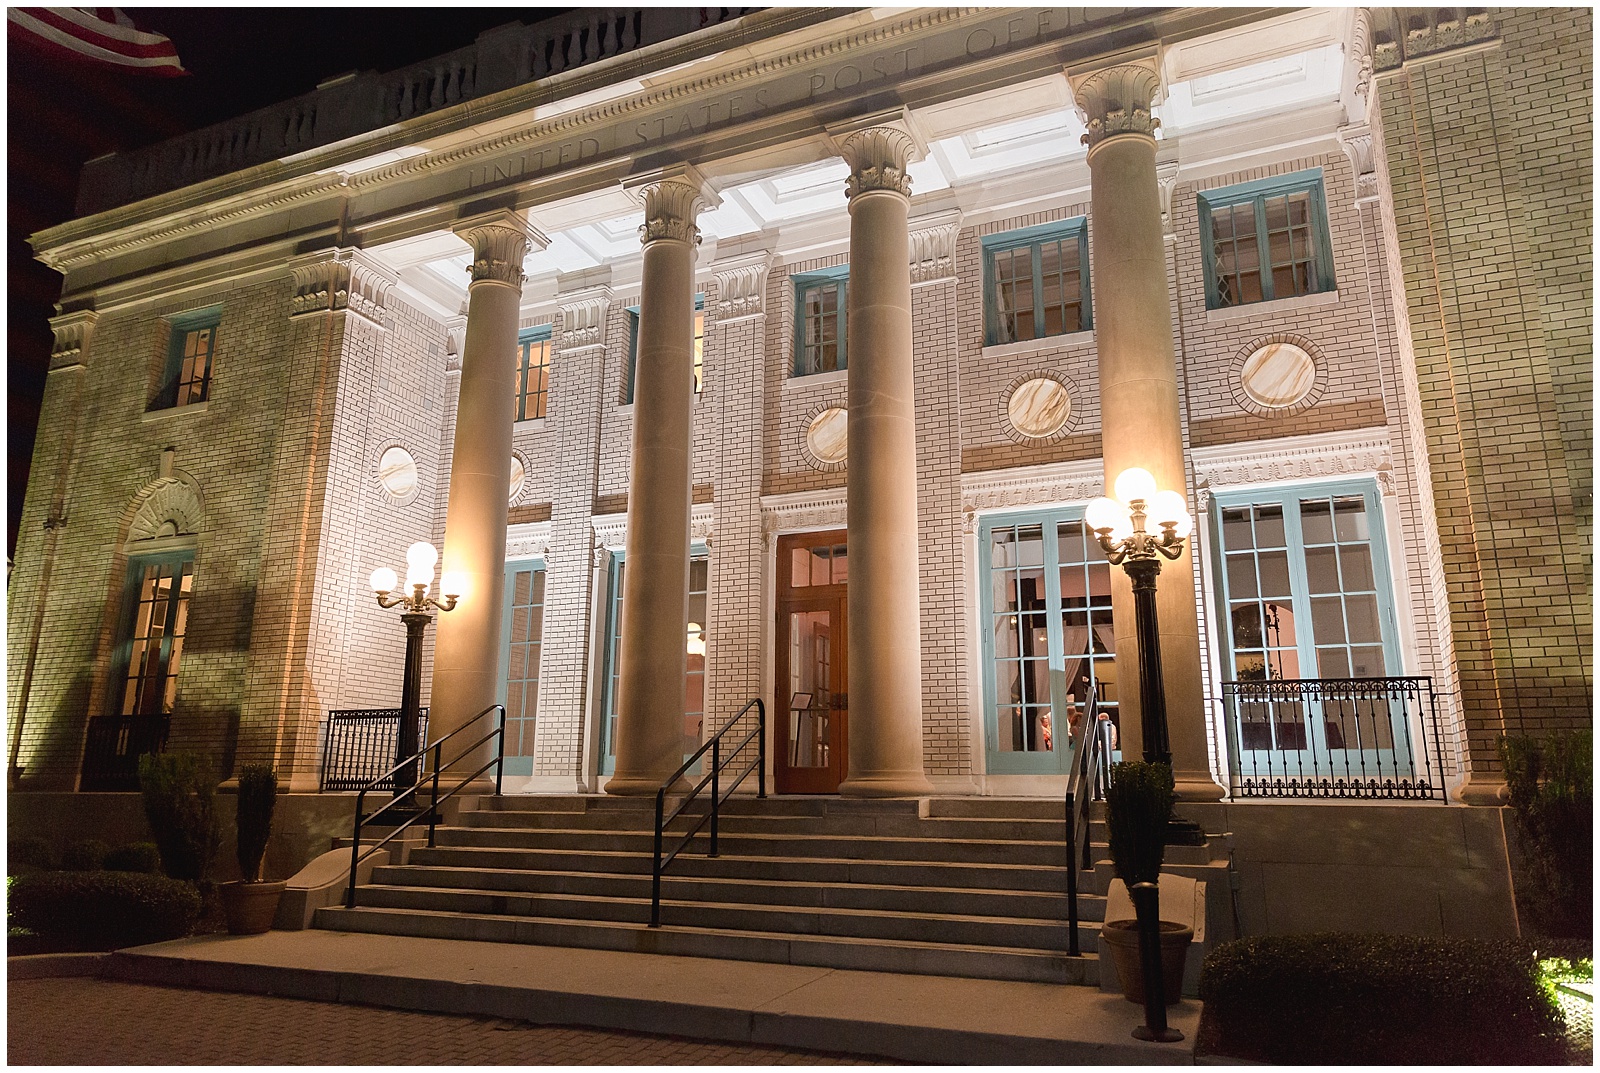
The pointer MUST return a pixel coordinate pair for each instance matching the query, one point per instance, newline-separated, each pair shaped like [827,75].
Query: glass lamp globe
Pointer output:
[453,583]
[1166,507]
[419,575]
[383,580]
[1134,483]
[421,556]
[1103,513]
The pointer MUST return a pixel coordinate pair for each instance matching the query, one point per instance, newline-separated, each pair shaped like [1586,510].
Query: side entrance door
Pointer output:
[811,713]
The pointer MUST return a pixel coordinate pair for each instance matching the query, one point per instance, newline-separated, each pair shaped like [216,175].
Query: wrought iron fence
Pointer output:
[359,746]
[113,746]
[1334,737]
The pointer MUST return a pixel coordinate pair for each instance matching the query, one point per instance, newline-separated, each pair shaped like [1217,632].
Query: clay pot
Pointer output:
[251,907]
[1121,938]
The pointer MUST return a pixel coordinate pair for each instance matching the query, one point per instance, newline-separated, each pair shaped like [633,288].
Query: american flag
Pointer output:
[102,34]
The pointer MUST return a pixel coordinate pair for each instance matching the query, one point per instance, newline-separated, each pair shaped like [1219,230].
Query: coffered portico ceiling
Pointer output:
[997,121]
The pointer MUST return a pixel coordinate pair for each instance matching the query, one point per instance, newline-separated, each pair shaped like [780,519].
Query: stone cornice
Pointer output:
[611,530]
[1298,458]
[824,509]
[1057,482]
[528,540]
[1402,35]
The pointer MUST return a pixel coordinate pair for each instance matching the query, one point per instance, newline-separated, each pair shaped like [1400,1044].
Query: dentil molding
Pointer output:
[1285,461]
[793,511]
[611,530]
[1033,486]
[528,540]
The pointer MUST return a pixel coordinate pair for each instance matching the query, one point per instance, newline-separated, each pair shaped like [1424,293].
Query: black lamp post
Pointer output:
[420,560]
[1120,525]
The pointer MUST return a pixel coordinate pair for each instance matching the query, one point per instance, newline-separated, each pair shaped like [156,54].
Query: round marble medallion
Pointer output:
[1278,375]
[397,472]
[828,435]
[1039,407]
[519,473]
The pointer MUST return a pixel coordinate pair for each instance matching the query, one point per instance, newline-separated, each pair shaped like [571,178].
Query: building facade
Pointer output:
[776,355]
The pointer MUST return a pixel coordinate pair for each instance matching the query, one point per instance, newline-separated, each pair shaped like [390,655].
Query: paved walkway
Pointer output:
[924,1019]
[89,1021]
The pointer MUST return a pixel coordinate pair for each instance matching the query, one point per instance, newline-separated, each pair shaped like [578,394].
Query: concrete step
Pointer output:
[734,866]
[902,956]
[854,825]
[743,803]
[866,847]
[1041,905]
[976,931]
[1016,808]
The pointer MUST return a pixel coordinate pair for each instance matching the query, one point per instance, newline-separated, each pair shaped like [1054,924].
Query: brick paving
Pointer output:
[89,1021]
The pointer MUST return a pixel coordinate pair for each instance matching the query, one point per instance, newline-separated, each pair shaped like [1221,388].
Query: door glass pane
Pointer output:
[810,694]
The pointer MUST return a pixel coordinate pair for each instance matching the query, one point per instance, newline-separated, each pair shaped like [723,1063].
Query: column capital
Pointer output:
[1116,99]
[933,246]
[741,286]
[673,198]
[879,148]
[500,243]
[1356,141]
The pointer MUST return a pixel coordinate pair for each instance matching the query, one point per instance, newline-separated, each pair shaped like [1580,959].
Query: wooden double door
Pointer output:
[811,714]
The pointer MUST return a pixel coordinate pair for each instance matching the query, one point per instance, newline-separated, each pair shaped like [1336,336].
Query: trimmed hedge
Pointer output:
[1335,999]
[134,857]
[27,853]
[104,910]
[85,855]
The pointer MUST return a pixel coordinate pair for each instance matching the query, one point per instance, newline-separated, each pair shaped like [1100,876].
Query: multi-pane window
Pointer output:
[820,321]
[1267,240]
[186,374]
[695,634]
[524,633]
[533,374]
[1036,282]
[1048,636]
[155,619]
[699,363]
[1306,595]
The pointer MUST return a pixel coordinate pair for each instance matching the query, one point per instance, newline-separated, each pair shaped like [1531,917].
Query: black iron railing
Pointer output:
[713,779]
[1334,737]
[360,743]
[1086,783]
[431,773]
[112,748]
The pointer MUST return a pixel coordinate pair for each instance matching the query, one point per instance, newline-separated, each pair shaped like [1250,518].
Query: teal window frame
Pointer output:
[1034,239]
[525,340]
[804,284]
[633,350]
[1056,761]
[179,607]
[518,762]
[698,550]
[1306,644]
[1258,193]
[177,386]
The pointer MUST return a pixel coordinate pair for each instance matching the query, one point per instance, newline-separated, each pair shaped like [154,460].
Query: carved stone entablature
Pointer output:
[797,511]
[933,246]
[169,506]
[1058,482]
[878,156]
[1285,461]
[1117,100]
[528,540]
[72,333]
[1356,141]
[582,319]
[673,199]
[742,286]
[1400,34]
[611,530]
[500,243]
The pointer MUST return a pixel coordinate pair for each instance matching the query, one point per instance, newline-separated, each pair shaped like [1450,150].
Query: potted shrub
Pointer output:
[1138,802]
[179,794]
[251,903]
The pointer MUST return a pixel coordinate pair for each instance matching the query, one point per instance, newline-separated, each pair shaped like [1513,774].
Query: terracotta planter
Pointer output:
[251,907]
[1121,938]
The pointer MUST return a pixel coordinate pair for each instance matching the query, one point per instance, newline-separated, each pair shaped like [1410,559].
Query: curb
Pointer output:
[53,966]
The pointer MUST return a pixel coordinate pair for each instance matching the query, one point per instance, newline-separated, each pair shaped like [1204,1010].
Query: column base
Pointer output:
[1484,791]
[1197,786]
[643,786]
[906,784]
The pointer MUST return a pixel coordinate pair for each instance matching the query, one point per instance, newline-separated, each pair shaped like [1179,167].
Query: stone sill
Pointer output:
[1024,347]
[170,411]
[1277,307]
[816,379]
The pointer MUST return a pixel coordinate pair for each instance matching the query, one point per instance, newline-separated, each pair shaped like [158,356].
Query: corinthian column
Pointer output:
[467,647]
[655,593]
[1140,425]
[885,632]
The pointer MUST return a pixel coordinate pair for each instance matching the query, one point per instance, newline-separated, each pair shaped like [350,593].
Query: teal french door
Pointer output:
[521,654]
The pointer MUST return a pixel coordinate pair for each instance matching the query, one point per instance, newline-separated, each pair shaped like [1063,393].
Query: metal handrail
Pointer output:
[759,765]
[498,763]
[1091,756]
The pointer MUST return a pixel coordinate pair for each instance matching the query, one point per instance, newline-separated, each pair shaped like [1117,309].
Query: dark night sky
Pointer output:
[63,113]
